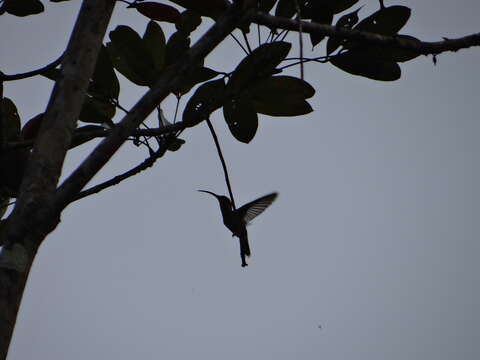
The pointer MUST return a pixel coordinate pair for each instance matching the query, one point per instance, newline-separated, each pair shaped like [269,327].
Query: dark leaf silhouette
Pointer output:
[198,75]
[97,111]
[363,64]
[189,21]
[206,99]
[261,63]
[177,45]
[282,96]
[104,83]
[130,56]
[387,21]
[10,120]
[23,7]
[154,42]
[241,118]
[346,21]
[157,11]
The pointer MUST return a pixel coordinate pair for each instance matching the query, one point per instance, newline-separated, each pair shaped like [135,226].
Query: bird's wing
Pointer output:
[251,210]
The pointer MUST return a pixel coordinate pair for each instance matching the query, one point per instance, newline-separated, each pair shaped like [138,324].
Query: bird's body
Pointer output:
[236,220]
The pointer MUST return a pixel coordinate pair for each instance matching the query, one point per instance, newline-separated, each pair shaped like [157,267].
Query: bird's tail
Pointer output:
[244,248]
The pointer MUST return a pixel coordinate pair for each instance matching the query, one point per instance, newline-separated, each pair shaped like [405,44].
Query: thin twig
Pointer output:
[119,178]
[239,43]
[224,165]
[28,74]
[246,41]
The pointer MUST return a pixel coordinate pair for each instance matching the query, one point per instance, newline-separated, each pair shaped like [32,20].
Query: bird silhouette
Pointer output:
[236,220]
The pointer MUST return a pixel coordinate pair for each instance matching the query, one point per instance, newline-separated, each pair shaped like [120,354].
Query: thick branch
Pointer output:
[422,47]
[171,78]
[33,216]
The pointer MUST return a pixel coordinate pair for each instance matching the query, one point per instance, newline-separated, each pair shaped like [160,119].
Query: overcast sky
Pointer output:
[369,253]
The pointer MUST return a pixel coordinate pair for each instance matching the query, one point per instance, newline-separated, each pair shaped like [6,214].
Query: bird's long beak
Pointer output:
[209,192]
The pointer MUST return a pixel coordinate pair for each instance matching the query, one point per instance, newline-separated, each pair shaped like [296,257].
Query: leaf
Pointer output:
[177,46]
[210,8]
[198,75]
[157,11]
[23,7]
[358,63]
[282,96]
[285,8]
[346,21]
[130,57]
[320,16]
[31,128]
[154,42]
[241,118]
[10,120]
[391,54]
[266,5]
[259,64]
[175,144]
[189,21]
[104,82]
[96,111]
[338,6]
[387,21]
[207,98]
[83,134]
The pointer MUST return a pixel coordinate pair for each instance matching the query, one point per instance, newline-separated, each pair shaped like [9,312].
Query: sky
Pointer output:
[369,252]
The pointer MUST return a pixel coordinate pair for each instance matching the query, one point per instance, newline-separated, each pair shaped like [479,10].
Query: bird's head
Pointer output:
[223,200]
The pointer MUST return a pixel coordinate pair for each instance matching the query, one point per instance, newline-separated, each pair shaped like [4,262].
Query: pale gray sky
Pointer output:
[374,236]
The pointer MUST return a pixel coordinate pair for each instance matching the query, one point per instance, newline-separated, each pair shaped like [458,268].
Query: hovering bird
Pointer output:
[236,220]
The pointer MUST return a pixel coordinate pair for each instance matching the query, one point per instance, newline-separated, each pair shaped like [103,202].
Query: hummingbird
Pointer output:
[236,220]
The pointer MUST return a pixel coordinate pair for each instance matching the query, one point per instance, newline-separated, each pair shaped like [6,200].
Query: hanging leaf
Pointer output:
[346,21]
[104,82]
[129,56]
[157,11]
[259,64]
[209,97]
[154,42]
[387,21]
[320,16]
[282,96]
[23,7]
[32,127]
[198,75]
[97,111]
[266,5]
[10,120]
[189,21]
[241,118]
[175,144]
[84,134]
[358,63]
[391,54]
[285,8]
[177,46]
[338,6]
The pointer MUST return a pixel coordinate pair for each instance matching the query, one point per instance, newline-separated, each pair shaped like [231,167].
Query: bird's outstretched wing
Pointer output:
[251,210]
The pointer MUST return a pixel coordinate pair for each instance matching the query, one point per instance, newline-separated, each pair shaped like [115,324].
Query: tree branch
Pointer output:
[102,133]
[422,47]
[28,74]
[222,160]
[33,216]
[171,78]
[148,162]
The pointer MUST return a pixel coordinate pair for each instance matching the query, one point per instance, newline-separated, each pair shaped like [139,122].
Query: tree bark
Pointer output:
[34,215]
